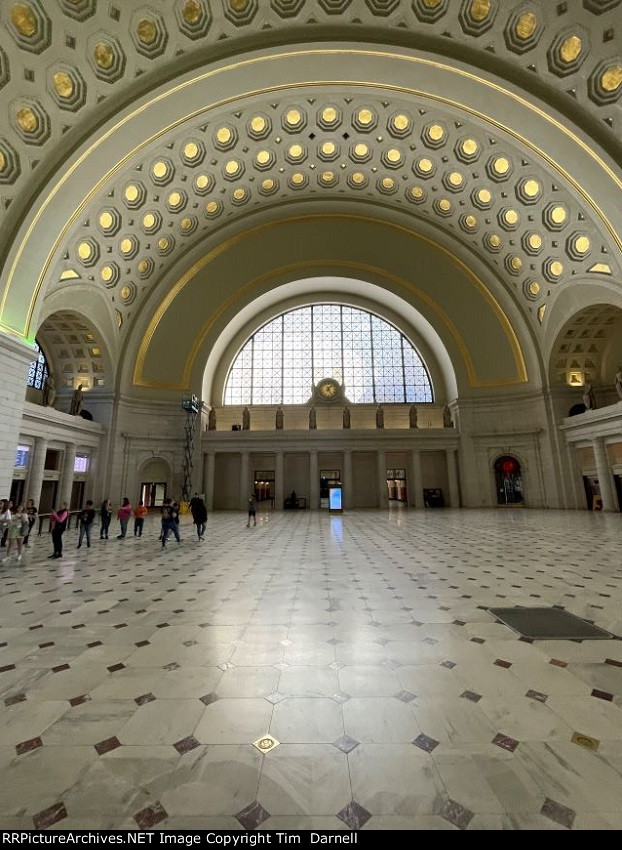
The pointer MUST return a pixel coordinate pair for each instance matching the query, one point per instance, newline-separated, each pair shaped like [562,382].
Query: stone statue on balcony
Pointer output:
[246,419]
[589,399]
[278,419]
[617,382]
[379,417]
[447,420]
[211,419]
[48,391]
[346,417]
[76,401]
[312,419]
[413,418]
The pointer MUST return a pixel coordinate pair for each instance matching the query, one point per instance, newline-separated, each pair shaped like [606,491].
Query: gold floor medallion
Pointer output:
[585,741]
[266,743]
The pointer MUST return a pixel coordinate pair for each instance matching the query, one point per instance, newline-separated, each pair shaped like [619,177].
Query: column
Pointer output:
[381,476]
[66,476]
[348,484]
[573,489]
[91,490]
[415,485]
[452,478]
[15,357]
[244,485]
[314,481]
[37,468]
[209,462]
[278,481]
[605,478]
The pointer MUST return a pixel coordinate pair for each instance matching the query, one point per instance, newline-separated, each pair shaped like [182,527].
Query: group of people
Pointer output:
[59,520]
[170,518]
[16,522]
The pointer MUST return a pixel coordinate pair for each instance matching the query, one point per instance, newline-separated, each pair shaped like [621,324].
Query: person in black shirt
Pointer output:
[106,516]
[175,510]
[32,518]
[87,518]
[199,515]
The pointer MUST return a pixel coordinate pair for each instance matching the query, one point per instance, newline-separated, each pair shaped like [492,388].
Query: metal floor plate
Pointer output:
[549,624]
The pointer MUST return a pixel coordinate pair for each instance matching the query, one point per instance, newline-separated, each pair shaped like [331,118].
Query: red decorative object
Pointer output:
[509,466]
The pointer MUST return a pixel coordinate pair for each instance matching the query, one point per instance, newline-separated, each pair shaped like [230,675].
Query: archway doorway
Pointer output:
[154,479]
[508,481]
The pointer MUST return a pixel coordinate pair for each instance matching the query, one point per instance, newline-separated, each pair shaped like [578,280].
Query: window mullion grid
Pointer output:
[257,371]
[343,365]
[252,369]
[373,367]
[282,359]
[404,397]
[312,346]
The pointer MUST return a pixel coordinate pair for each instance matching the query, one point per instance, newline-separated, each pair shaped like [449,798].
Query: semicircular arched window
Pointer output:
[38,371]
[288,356]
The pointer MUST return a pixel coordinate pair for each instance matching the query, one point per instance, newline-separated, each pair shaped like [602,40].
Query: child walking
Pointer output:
[140,512]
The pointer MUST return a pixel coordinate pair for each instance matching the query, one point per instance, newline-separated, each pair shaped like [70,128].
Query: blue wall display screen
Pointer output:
[334,498]
[21,456]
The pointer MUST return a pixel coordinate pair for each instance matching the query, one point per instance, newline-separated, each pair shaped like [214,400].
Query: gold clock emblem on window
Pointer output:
[328,389]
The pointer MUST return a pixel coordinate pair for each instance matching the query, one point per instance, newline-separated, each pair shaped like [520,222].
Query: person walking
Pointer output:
[169,513]
[17,526]
[175,511]
[32,518]
[6,512]
[59,520]
[140,512]
[87,517]
[123,515]
[5,518]
[105,515]
[199,515]
[252,510]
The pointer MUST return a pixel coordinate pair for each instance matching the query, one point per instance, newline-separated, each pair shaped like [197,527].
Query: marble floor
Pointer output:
[134,683]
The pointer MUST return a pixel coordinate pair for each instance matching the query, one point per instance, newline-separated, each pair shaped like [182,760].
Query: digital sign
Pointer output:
[334,498]
[21,456]
[81,463]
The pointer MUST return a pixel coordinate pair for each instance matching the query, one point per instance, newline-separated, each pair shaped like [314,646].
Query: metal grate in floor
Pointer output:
[549,624]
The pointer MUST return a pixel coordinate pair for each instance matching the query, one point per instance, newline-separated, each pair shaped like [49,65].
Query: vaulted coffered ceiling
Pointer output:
[70,69]
[433,164]
[66,64]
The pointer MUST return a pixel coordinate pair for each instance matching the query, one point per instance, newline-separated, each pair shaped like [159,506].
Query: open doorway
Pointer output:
[264,487]
[154,476]
[153,493]
[508,481]
[396,485]
[328,478]
[77,495]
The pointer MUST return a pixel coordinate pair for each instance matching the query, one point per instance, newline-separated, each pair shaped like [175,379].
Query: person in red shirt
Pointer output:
[123,515]
[140,512]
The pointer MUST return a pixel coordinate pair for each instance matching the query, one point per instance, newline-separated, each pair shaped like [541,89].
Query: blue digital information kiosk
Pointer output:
[334,500]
